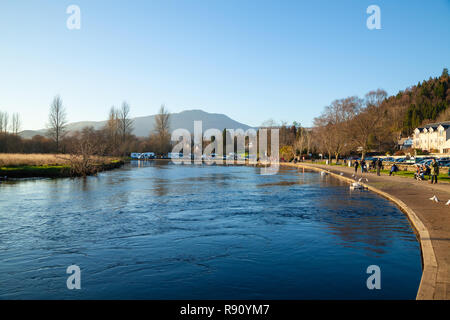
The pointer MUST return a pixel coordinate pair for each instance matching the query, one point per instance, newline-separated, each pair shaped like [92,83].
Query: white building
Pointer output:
[433,136]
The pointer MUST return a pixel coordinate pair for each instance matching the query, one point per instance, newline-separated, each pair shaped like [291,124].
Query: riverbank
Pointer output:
[405,171]
[50,166]
[431,220]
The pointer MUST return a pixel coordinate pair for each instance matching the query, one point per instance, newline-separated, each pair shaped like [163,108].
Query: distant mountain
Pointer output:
[144,125]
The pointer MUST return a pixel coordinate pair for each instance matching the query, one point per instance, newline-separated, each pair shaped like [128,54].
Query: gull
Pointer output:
[356,185]
[353,175]
[341,174]
[434,198]
[448,203]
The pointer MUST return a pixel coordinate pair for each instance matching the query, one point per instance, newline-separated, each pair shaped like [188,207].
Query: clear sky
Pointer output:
[250,59]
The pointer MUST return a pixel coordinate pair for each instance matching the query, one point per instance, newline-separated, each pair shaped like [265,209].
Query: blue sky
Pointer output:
[252,60]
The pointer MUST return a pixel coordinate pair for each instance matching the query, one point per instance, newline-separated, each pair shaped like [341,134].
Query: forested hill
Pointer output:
[423,103]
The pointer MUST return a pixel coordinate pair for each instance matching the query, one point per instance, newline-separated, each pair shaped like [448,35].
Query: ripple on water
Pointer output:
[186,232]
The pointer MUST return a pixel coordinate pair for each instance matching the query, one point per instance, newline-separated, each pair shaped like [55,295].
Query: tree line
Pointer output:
[374,123]
[115,138]
[350,125]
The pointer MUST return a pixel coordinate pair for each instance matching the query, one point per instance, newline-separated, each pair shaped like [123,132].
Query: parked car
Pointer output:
[409,161]
[444,163]
[422,159]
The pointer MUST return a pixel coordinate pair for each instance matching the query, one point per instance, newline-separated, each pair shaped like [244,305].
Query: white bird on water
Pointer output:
[434,198]
[448,203]
[356,186]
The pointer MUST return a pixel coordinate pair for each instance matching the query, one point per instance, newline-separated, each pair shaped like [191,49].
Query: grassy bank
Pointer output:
[49,165]
[443,176]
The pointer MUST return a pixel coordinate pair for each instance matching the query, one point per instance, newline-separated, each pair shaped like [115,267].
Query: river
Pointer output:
[164,231]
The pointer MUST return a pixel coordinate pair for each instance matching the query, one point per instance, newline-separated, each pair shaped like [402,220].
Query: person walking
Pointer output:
[378,165]
[373,164]
[356,165]
[434,171]
[363,166]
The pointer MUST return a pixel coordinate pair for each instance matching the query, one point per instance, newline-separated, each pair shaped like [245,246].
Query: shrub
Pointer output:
[421,152]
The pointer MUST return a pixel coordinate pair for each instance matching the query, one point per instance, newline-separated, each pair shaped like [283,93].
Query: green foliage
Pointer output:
[287,152]
[421,152]
[427,101]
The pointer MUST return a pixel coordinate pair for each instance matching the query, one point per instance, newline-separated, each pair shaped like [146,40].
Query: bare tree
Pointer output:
[84,146]
[57,121]
[112,129]
[366,122]
[16,123]
[300,141]
[125,123]
[4,120]
[324,135]
[309,140]
[162,126]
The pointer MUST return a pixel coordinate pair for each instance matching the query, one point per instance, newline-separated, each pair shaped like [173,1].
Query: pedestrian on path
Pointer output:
[356,165]
[378,164]
[434,171]
[363,166]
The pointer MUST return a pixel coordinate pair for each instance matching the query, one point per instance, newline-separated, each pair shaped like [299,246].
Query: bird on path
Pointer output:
[448,203]
[434,198]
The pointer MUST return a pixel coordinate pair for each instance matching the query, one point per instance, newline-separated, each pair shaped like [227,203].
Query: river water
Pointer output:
[165,231]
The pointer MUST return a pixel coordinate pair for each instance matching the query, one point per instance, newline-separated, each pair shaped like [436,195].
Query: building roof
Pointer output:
[445,124]
[405,141]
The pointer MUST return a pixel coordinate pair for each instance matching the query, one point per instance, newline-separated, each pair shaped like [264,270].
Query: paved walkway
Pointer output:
[430,219]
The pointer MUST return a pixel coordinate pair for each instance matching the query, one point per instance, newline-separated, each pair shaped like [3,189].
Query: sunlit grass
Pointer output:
[37,159]
[47,165]
[443,176]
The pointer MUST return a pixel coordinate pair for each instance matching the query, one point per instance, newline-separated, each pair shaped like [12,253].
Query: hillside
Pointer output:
[426,102]
[144,125]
